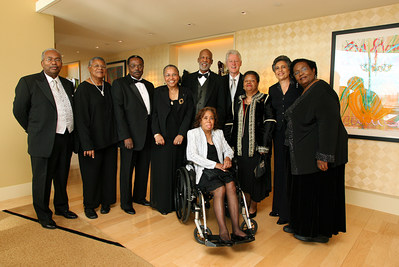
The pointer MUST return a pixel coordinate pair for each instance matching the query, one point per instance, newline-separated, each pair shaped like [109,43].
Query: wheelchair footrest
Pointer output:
[214,241]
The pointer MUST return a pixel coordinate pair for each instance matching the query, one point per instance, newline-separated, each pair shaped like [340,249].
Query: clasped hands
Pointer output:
[225,166]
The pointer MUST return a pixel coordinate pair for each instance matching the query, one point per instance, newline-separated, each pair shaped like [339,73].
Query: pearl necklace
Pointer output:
[102,86]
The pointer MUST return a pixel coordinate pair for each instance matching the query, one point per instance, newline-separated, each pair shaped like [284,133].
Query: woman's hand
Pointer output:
[178,140]
[89,153]
[159,140]
[227,163]
[220,167]
[322,165]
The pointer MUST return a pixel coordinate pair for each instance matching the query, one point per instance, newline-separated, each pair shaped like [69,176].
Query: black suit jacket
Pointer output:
[132,119]
[162,109]
[215,95]
[35,109]
[240,91]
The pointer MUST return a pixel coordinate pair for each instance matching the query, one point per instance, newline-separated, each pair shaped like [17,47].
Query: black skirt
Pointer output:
[318,203]
[211,179]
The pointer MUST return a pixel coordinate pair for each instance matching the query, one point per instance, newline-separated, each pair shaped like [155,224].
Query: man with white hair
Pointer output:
[233,86]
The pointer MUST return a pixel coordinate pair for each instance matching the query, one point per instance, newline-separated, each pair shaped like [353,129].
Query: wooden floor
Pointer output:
[372,237]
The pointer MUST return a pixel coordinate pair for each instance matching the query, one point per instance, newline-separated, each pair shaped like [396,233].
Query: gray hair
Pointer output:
[233,52]
[286,59]
[49,49]
[96,58]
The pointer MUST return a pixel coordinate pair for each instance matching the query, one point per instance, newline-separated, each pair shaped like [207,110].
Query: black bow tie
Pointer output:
[203,75]
[137,81]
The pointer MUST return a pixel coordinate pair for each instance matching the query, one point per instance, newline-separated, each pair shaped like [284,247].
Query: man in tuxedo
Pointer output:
[206,86]
[43,107]
[132,97]
[233,86]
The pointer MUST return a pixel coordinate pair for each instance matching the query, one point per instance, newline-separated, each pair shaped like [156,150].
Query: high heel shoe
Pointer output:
[252,215]
[227,243]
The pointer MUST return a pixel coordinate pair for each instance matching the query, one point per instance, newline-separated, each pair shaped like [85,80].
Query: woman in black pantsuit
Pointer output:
[94,122]
[171,119]
[282,94]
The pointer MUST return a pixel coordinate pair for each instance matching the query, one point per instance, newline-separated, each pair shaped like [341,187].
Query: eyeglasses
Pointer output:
[50,59]
[139,66]
[99,67]
[300,71]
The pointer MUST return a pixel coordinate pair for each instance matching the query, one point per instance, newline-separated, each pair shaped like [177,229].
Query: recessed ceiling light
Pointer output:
[243,12]
[97,47]
[77,52]
[150,34]
[120,41]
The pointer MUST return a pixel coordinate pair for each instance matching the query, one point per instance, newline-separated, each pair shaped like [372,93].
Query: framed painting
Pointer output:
[115,70]
[365,74]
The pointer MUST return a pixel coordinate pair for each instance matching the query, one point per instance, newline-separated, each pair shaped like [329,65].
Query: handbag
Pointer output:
[260,168]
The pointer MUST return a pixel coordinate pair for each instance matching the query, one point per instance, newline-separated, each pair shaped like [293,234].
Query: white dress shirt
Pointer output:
[144,94]
[202,80]
[197,150]
[63,105]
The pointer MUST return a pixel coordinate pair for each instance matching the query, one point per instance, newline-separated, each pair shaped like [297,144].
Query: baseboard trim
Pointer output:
[15,191]
[372,200]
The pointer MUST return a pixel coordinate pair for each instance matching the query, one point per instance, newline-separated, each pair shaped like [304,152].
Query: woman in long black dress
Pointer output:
[95,125]
[283,94]
[171,119]
[318,144]
[252,131]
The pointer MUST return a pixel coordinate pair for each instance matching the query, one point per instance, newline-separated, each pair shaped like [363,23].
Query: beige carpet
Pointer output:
[25,243]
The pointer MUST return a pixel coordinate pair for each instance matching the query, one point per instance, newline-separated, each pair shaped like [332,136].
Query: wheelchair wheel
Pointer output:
[254,227]
[182,195]
[197,236]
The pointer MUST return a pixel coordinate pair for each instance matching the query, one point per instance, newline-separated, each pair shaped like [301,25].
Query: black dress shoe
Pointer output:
[48,225]
[236,239]
[320,239]
[164,213]
[130,211]
[288,229]
[252,215]
[67,214]
[105,209]
[90,213]
[303,238]
[282,221]
[144,202]
[273,214]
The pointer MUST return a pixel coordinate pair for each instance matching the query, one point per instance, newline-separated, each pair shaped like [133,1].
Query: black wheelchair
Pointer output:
[189,198]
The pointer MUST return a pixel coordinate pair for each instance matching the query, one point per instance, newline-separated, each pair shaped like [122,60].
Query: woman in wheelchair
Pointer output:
[211,155]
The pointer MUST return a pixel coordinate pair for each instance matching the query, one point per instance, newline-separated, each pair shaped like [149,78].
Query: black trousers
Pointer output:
[282,176]
[56,169]
[140,162]
[99,177]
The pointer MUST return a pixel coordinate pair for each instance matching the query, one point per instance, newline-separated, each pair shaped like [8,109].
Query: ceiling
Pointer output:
[108,27]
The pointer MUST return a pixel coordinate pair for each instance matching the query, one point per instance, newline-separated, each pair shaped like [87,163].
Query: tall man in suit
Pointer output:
[206,86]
[43,107]
[132,97]
[233,86]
